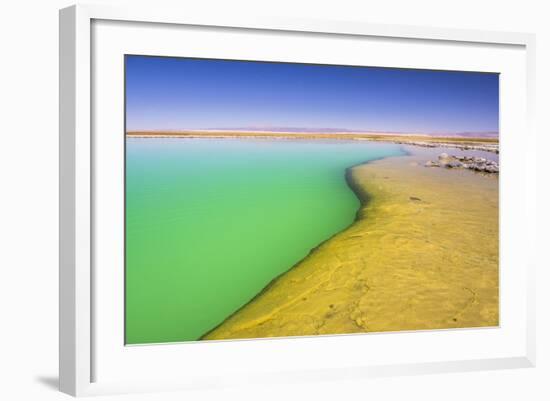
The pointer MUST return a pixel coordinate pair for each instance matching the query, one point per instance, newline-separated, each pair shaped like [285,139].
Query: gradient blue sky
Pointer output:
[178,93]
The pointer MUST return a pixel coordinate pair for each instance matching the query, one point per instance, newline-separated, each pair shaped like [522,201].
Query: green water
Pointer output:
[210,222]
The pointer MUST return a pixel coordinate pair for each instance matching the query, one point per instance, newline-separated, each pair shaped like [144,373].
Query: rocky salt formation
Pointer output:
[485,147]
[467,162]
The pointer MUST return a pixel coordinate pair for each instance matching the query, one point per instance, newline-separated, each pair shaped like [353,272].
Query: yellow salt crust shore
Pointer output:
[422,254]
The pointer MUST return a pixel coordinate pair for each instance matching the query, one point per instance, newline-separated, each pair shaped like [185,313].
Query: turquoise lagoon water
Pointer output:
[210,222]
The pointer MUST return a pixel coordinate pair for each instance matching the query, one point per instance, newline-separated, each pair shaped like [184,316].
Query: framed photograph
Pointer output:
[272,200]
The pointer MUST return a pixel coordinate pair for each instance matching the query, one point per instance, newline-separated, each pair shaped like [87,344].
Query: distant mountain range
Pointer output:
[481,134]
[484,134]
[283,129]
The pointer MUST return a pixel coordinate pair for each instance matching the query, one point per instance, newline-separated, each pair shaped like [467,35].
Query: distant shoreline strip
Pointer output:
[463,143]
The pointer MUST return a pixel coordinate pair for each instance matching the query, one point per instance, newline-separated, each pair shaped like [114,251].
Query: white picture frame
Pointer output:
[78,162]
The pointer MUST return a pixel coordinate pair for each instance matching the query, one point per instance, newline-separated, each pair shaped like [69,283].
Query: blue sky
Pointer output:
[179,93]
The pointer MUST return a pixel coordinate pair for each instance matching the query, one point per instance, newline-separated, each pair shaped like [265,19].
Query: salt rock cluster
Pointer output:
[467,162]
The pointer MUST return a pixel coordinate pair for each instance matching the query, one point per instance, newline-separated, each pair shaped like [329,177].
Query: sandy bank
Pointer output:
[422,254]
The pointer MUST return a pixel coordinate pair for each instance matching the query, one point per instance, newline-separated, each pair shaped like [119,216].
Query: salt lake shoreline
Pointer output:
[368,277]
[354,263]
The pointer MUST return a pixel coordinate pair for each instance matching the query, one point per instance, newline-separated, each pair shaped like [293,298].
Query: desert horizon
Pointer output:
[305,131]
